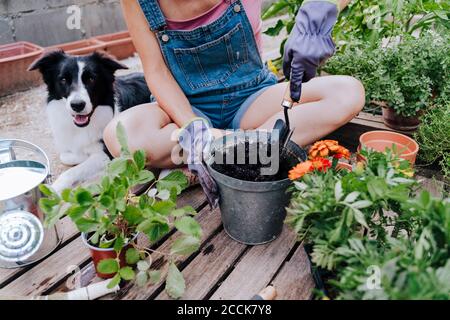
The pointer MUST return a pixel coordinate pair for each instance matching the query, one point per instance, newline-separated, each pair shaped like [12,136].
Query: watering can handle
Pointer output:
[7,150]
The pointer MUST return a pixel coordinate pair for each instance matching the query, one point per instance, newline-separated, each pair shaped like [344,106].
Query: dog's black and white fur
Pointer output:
[83,97]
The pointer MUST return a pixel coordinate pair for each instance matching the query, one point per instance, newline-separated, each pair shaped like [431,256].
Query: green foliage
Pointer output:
[398,248]
[406,77]
[328,208]
[111,215]
[433,134]
[368,21]
[417,267]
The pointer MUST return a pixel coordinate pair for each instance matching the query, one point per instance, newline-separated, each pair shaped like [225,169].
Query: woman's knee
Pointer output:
[145,127]
[348,95]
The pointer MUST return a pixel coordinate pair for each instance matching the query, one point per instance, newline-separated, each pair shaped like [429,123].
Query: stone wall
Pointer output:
[44,22]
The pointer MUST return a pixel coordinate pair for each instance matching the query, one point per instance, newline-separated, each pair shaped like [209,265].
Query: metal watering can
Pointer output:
[23,240]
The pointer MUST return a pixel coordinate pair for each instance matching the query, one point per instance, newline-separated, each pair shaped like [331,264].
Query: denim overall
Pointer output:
[218,66]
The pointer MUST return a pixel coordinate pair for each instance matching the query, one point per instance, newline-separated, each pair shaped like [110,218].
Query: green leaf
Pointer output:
[117,167]
[143,265]
[164,207]
[361,204]
[145,176]
[274,9]
[133,215]
[127,273]
[338,191]
[175,284]
[275,30]
[141,278]
[155,276]
[108,266]
[154,228]
[86,225]
[140,159]
[122,138]
[189,226]
[351,197]
[84,198]
[47,190]
[66,195]
[118,244]
[114,282]
[132,256]
[106,201]
[359,216]
[185,245]
[175,179]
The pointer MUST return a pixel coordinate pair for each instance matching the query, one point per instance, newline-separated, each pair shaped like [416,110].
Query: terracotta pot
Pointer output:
[81,47]
[119,45]
[398,122]
[99,254]
[14,61]
[380,140]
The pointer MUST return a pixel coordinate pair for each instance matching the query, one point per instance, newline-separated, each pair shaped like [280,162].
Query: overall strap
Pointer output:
[153,13]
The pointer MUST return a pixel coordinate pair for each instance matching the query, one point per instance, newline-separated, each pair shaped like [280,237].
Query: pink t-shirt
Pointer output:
[252,8]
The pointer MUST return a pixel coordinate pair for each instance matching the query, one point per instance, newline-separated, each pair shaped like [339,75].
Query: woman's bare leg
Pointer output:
[149,128]
[327,103]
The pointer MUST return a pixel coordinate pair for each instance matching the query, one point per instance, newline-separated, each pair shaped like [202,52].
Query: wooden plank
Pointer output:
[59,265]
[54,269]
[205,271]
[294,281]
[210,222]
[256,269]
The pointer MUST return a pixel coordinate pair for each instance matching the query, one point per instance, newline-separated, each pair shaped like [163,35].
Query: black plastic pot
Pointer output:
[253,213]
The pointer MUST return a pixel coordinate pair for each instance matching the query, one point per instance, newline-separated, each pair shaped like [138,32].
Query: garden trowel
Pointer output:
[284,126]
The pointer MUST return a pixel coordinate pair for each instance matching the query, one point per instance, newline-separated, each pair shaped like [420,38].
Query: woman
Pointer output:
[201,59]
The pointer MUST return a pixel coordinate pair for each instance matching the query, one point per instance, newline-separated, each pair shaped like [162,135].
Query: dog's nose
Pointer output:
[78,105]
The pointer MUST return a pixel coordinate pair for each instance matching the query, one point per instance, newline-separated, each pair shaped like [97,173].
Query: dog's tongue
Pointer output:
[81,119]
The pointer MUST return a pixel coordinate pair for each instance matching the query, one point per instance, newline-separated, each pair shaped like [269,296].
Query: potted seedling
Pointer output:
[112,219]
[14,61]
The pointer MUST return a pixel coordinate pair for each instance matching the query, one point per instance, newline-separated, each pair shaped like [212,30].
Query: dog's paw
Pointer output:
[72,159]
[63,182]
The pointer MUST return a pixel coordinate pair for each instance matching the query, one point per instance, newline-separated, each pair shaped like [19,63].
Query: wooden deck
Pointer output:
[221,269]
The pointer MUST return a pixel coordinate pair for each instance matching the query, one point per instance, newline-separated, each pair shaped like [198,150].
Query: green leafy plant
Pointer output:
[111,216]
[328,208]
[369,21]
[407,77]
[434,132]
[416,267]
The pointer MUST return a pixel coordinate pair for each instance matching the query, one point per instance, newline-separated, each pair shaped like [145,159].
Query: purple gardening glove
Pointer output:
[310,43]
[195,139]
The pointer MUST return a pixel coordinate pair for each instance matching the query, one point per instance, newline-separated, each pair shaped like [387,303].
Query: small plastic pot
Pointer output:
[119,45]
[380,140]
[81,47]
[398,122]
[99,254]
[344,166]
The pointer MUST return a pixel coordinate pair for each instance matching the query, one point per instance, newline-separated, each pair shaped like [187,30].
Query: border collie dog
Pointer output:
[83,97]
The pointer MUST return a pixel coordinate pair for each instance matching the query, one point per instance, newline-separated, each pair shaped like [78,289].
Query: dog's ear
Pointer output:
[47,59]
[109,62]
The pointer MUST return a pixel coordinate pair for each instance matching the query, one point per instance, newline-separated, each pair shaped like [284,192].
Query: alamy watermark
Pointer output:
[73,21]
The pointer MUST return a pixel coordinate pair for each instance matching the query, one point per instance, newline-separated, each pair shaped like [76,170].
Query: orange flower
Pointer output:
[328,148]
[300,170]
[321,164]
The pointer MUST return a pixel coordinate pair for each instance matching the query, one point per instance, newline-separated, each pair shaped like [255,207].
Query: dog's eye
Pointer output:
[91,80]
[63,81]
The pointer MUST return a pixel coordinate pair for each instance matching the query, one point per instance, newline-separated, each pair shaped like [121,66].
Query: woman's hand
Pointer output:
[160,80]
[310,43]
[195,139]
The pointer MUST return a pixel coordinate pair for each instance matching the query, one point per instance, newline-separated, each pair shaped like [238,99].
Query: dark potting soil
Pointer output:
[252,172]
